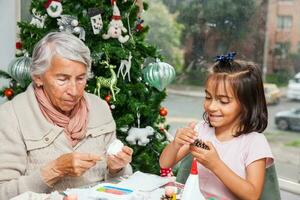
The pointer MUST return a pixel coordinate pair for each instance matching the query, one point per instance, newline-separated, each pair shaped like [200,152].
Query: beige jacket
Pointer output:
[29,141]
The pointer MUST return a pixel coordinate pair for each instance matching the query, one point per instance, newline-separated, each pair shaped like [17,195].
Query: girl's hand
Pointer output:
[208,158]
[185,136]
[119,161]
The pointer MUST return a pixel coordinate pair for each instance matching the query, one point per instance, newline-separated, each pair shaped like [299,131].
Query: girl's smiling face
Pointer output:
[221,106]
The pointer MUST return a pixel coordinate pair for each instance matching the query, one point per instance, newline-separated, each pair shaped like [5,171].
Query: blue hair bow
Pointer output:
[226,58]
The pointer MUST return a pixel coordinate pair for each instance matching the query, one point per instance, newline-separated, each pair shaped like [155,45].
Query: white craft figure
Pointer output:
[127,65]
[38,20]
[116,27]
[139,135]
[115,147]
[110,83]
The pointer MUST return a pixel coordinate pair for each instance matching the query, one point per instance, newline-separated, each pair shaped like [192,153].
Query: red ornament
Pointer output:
[163,111]
[18,45]
[8,92]
[139,25]
[107,98]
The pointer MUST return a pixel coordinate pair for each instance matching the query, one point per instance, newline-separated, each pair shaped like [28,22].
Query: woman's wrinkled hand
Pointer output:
[70,164]
[185,136]
[115,163]
[208,158]
[75,164]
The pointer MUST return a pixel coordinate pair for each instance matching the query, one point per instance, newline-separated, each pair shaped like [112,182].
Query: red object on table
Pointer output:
[166,172]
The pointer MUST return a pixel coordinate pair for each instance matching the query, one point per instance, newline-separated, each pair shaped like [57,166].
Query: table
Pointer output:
[152,188]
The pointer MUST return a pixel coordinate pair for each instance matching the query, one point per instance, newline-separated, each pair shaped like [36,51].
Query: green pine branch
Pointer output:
[4,74]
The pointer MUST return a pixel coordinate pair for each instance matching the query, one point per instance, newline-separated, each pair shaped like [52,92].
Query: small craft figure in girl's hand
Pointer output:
[201,144]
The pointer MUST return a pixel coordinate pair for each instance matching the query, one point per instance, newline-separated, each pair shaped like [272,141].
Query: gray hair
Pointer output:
[61,44]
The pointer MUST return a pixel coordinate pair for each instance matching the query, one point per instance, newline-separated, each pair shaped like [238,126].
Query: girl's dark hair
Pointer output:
[245,80]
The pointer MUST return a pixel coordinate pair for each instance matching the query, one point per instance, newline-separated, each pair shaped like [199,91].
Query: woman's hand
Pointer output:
[208,158]
[71,164]
[75,164]
[185,136]
[116,163]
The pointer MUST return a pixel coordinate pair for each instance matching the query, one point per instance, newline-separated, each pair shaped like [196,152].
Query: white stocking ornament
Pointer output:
[54,8]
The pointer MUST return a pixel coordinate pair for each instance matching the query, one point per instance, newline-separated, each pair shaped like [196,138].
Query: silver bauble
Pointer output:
[19,70]
[74,22]
[76,30]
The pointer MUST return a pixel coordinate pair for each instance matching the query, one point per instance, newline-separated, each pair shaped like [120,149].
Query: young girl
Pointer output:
[235,114]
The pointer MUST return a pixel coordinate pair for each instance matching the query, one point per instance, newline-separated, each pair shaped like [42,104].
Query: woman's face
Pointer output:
[221,105]
[63,83]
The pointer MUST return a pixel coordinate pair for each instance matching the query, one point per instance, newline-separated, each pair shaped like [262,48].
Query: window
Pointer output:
[25,10]
[284,22]
[282,49]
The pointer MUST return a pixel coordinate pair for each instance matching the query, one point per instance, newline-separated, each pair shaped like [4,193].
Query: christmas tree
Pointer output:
[115,33]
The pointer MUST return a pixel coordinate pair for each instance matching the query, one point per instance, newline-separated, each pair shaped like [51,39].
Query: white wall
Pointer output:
[9,15]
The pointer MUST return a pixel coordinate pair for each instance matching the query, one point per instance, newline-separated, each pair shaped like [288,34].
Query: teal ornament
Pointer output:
[19,70]
[159,74]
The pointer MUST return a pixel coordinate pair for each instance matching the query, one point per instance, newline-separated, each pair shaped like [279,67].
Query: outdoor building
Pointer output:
[283,34]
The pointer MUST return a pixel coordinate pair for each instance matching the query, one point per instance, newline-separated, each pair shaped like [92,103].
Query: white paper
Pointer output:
[145,182]
[38,196]
[85,193]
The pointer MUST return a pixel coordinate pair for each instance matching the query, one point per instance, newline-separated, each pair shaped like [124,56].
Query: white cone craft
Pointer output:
[191,188]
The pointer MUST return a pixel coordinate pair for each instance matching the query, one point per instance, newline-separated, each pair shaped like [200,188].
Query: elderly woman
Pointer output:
[54,135]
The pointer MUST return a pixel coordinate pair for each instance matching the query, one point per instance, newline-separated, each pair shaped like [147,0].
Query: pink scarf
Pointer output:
[74,125]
